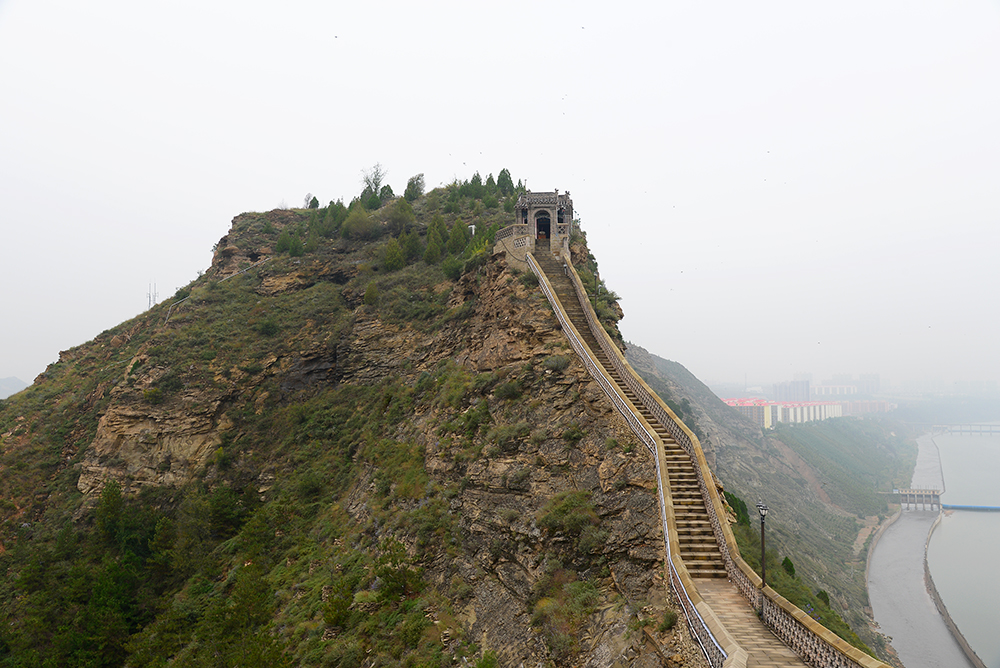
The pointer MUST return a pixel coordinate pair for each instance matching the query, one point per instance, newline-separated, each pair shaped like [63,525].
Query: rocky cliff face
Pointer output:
[548,548]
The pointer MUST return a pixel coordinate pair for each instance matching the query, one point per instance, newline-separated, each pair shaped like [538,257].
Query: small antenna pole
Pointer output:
[151,296]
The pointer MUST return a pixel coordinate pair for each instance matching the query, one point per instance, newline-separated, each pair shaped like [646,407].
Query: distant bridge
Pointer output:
[920,499]
[979,429]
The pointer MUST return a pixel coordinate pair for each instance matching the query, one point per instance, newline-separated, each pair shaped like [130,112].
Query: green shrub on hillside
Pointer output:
[573,433]
[508,390]
[372,294]
[393,258]
[400,217]
[414,188]
[739,508]
[452,268]
[360,225]
[556,363]
[568,512]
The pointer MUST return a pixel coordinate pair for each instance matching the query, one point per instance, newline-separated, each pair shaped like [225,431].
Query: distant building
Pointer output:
[758,410]
[865,406]
[833,390]
[767,414]
[869,383]
[792,390]
[805,411]
[845,384]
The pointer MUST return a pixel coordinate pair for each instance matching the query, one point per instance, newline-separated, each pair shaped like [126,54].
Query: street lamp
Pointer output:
[762,509]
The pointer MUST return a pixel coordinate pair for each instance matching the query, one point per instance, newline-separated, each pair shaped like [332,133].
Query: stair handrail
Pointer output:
[815,643]
[711,647]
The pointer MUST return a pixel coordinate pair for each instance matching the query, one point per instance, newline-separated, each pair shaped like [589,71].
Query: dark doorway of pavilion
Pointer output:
[543,226]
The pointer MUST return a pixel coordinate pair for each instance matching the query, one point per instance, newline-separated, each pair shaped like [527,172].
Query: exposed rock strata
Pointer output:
[503,327]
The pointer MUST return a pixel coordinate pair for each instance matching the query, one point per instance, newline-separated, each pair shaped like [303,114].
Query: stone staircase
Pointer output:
[698,547]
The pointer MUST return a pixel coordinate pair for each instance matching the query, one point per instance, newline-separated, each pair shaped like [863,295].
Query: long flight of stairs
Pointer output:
[698,547]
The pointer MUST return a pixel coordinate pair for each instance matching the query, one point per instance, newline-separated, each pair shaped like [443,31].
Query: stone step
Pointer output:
[695,535]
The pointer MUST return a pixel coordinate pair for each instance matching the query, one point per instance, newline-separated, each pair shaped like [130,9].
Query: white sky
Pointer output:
[771,187]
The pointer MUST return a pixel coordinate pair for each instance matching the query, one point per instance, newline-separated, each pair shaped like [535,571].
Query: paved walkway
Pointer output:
[763,648]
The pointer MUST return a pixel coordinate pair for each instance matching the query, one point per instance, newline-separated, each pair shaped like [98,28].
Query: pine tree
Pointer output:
[394,259]
[437,228]
[434,251]
[410,243]
[504,183]
[459,237]
[414,188]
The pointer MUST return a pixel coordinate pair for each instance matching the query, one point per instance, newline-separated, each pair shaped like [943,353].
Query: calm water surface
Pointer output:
[964,552]
[902,606]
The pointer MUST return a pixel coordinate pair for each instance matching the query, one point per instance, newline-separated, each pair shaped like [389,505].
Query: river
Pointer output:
[963,549]
[901,604]
[967,584]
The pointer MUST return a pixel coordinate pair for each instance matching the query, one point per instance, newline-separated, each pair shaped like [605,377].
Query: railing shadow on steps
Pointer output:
[817,645]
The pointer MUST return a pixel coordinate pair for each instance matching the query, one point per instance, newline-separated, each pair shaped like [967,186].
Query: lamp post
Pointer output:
[762,509]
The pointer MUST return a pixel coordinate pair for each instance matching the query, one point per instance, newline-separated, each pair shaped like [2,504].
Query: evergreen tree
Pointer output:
[284,241]
[459,237]
[312,242]
[410,243]
[438,228]
[394,259]
[434,251]
[476,188]
[504,183]
[452,267]
[336,214]
[414,188]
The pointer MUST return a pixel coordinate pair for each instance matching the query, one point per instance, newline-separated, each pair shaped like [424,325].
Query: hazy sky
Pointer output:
[771,187]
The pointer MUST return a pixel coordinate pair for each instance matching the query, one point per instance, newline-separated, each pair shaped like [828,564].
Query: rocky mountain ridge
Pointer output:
[317,459]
